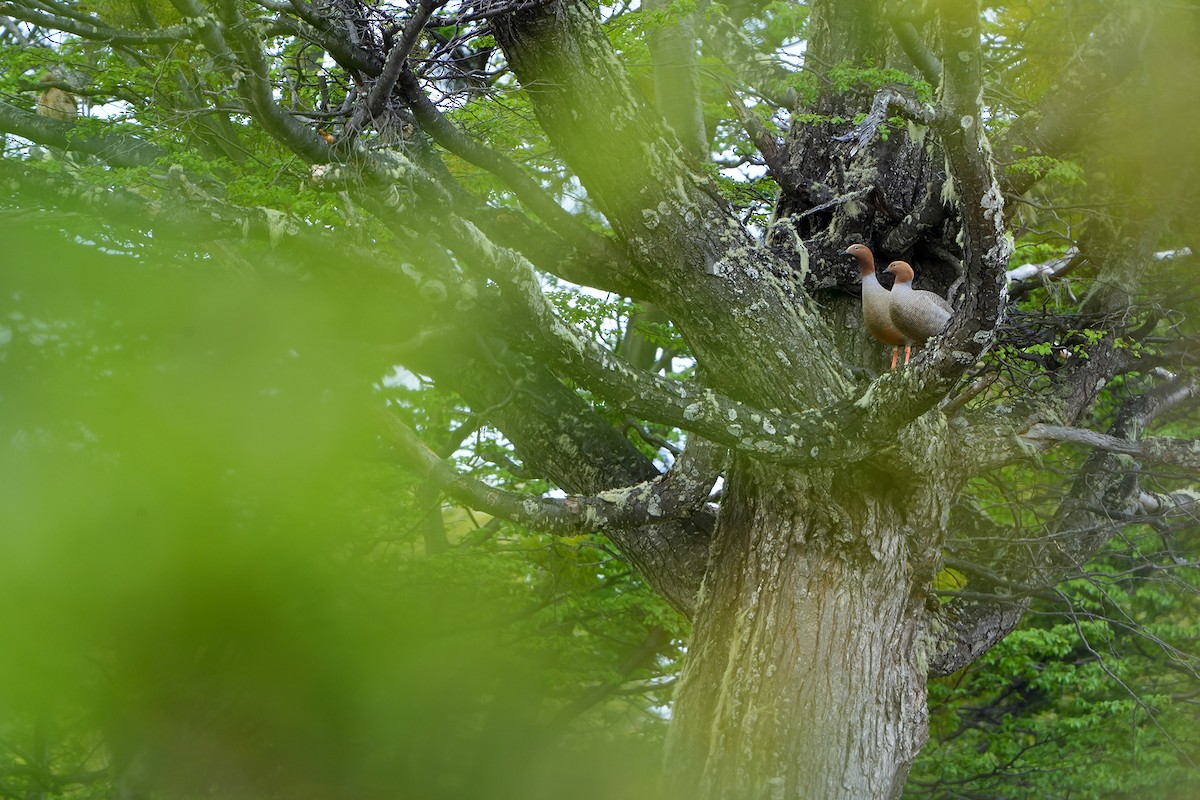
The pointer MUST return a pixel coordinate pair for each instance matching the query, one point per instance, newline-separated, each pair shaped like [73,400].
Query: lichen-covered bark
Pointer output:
[559,435]
[757,338]
[814,635]
[887,194]
[806,671]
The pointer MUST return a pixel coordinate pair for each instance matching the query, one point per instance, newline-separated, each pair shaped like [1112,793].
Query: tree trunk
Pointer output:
[807,667]
[806,672]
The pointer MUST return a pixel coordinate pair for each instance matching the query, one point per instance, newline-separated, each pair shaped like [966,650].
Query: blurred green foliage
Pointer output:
[215,580]
[209,575]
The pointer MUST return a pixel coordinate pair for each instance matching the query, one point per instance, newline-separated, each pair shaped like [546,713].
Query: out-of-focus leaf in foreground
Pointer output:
[186,603]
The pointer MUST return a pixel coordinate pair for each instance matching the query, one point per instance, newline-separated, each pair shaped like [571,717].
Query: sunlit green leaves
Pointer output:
[1042,715]
[1064,172]
[848,77]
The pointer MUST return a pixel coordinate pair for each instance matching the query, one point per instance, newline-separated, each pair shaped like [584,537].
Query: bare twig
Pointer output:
[385,82]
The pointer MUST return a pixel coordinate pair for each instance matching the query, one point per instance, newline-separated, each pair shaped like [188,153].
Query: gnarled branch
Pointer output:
[117,149]
[677,494]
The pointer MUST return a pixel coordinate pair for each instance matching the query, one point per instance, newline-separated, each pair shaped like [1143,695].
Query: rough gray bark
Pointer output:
[806,673]
[814,624]
[691,256]
[558,435]
[807,665]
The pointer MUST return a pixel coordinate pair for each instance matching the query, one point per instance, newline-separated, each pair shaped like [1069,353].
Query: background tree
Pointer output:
[302,234]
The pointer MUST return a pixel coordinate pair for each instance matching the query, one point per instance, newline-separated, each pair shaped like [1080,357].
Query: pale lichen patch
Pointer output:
[949,193]
[867,399]
[654,507]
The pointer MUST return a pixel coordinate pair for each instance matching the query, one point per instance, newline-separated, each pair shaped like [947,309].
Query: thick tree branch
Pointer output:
[1183,504]
[1028,277]
[914,47]
[1127,438]
[887,101]
[385,81]
[677,494]
[698,263]
[559,436]
[768,146]
[986,245]
[255,84]
[1159,450]
[95,29]
[117,149]
[972,630]
[823,436]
